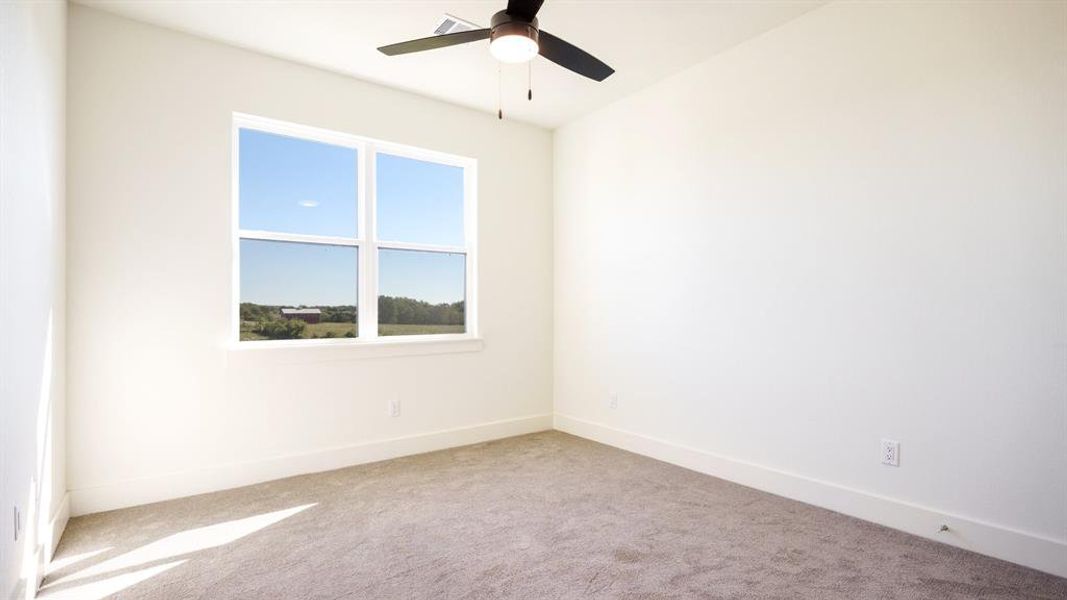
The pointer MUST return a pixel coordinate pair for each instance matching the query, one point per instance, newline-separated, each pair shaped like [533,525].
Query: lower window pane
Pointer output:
[421,292]
[297,291]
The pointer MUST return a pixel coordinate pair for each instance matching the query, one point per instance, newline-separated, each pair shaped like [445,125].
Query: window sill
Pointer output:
[313,351]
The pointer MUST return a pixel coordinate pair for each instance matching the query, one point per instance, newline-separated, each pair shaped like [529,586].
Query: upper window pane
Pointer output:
[419,201]
[290,185]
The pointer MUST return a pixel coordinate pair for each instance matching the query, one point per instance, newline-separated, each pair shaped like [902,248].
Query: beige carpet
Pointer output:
[541,516]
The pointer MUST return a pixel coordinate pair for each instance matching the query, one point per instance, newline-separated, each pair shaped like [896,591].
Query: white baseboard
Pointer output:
[134,492]
[48,540]
[57,525]
[1031,550]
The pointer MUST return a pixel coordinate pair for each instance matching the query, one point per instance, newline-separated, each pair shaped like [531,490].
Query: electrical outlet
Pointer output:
[613,401]
[890,452]
[394,407]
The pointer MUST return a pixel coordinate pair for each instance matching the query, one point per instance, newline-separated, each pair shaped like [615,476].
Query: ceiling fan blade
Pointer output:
[572,57]
[434,42]
[526,9]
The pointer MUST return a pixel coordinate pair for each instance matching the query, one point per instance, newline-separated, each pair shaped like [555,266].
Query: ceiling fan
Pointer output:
[515,38]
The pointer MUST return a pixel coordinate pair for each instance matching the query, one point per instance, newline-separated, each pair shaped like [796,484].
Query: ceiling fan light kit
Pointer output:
[513,41]
[514,37]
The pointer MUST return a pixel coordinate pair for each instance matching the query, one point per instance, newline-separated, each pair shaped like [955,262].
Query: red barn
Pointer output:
[307,315]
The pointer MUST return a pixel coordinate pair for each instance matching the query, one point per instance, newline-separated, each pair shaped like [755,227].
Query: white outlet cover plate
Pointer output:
[890,452]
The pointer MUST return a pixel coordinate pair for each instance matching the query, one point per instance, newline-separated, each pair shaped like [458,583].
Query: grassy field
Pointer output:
[418,329]
[318,330]
[322,330]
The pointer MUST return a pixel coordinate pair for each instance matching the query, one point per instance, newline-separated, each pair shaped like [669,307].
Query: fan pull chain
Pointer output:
[529,80]
[499,94]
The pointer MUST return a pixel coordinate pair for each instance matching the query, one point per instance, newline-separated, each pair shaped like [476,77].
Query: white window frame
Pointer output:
[366,241]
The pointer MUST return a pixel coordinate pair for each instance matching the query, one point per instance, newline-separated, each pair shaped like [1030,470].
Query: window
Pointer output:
[340,238]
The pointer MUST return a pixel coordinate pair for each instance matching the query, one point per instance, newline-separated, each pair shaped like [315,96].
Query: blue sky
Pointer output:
[419,201]
[296,186]
[284,273]
[435,277]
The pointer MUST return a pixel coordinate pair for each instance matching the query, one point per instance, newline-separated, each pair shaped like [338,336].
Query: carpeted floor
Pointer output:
[540,516]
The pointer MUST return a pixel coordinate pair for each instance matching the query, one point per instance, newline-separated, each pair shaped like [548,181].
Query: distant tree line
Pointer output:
[408,311]
[391,310]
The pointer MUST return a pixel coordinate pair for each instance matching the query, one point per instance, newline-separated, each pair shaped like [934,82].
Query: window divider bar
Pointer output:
[422,247]
[368,308]
[274,236]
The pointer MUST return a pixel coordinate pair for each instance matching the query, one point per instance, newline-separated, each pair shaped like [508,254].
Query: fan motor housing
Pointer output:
[504,24]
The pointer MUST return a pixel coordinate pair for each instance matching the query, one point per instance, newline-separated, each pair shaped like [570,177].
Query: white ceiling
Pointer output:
[644,40]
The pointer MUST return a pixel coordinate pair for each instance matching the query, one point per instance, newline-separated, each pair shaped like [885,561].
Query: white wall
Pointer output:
[849,228]
[159,405]
[32,78]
